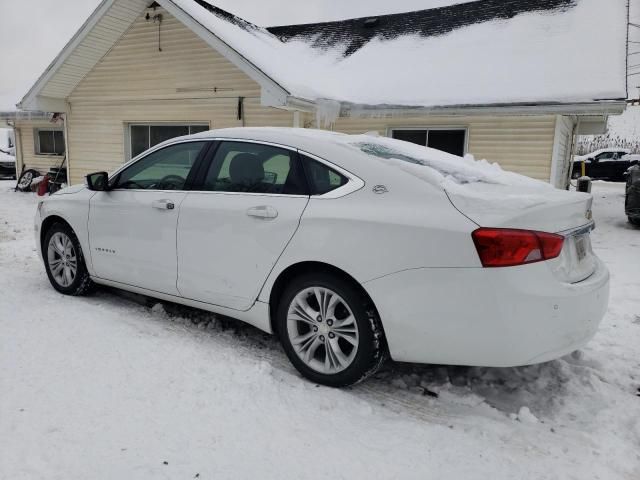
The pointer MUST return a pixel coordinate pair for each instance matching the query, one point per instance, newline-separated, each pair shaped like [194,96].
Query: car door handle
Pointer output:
[263,211]
[163,204]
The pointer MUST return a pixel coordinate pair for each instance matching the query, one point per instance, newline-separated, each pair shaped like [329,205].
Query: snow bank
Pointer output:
[523,59]
[101,387]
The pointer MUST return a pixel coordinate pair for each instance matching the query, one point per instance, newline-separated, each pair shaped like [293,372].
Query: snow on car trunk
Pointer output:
[492,197]
[539,209]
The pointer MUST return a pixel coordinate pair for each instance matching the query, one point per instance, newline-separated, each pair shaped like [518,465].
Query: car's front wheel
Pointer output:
[329,330]
[64,261]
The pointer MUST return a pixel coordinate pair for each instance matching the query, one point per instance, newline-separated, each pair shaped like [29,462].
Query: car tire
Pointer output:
[25,180]
[349,316]
[634,221]
[64,261]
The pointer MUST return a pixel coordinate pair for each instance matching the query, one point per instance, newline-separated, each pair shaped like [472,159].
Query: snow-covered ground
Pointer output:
[105,387]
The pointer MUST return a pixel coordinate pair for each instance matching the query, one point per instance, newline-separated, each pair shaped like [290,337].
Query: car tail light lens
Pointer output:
[502,247]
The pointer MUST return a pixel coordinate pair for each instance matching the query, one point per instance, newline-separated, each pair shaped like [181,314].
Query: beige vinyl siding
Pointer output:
[26,141]
[136,83]
[521,144]
[116,21]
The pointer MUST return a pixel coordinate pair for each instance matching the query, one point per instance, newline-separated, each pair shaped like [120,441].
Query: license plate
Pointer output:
[582,245]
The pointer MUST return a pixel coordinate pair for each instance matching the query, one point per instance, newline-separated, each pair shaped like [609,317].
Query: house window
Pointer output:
[49,141]
[450,140]
[143,137]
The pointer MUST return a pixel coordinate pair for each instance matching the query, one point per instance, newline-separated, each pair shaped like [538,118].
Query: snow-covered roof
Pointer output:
[487,52]
[477,53]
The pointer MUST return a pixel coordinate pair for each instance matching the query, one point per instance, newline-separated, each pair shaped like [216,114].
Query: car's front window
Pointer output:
[165,169]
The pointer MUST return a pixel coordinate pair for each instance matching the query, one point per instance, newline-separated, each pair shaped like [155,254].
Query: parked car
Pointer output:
[609,164]
[7,165]
[632,197]
[348,248]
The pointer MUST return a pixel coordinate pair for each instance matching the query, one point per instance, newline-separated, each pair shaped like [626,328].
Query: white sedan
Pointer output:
[348,248]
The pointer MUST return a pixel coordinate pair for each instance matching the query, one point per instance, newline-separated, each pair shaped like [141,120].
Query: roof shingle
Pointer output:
[353,34]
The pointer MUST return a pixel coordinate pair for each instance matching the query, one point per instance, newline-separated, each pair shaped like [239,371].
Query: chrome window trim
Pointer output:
[246,194]
[353,184]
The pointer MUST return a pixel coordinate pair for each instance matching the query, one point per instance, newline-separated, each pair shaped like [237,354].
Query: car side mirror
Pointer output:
[98,182]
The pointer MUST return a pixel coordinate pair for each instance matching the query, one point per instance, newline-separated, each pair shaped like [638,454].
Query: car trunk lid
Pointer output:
[534,208]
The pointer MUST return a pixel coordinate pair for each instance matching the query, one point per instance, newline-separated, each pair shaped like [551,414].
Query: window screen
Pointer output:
[143,137]
[50,142]
[448,140]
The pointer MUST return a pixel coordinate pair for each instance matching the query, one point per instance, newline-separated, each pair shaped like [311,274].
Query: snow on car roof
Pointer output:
[476,53]
[604,150]
[5,157]
[434,166]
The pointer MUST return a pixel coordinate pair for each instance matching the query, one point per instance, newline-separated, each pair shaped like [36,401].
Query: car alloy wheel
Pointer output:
[322,330]
[62,259]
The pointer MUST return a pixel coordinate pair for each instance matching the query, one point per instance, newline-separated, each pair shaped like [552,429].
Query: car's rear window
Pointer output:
[382,151]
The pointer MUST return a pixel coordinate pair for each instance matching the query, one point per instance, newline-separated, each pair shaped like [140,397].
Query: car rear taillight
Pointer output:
[502,247]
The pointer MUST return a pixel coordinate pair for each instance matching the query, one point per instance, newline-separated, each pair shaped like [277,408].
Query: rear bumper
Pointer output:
[501,317]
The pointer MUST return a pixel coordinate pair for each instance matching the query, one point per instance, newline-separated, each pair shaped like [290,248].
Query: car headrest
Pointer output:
[246,169]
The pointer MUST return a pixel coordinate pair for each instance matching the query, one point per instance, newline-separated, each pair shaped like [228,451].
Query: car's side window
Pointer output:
[165,169]
[604,156]
[322,179]
[255,168]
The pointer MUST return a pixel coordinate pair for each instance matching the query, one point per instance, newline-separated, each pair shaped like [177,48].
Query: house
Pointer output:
[512,81]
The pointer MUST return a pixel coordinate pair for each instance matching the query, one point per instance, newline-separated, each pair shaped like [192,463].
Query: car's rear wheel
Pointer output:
[329,330]
[64,261]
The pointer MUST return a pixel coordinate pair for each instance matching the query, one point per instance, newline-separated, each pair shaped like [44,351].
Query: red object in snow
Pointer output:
[43,186]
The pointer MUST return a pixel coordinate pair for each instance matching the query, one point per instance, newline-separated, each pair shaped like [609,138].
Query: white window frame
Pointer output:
[36,140]
[128,136]
[390,131]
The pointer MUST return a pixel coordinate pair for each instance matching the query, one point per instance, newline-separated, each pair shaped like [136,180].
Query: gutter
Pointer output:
[25,115]
[606,107]
[599,108]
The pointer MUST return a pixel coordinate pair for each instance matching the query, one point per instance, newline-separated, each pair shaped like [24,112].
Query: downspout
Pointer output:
[574,147]
[65,120]
[17,133]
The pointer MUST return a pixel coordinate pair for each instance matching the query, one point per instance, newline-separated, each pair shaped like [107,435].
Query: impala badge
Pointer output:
[380,189]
